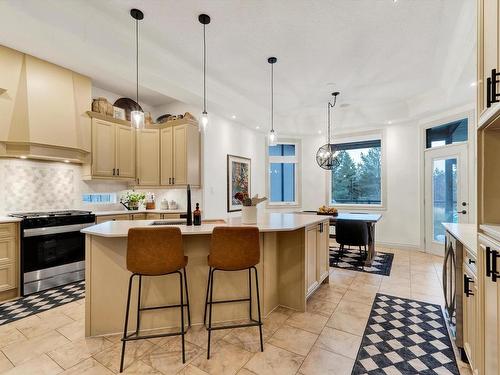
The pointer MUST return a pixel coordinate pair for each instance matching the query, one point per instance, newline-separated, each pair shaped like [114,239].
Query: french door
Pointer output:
[446,192]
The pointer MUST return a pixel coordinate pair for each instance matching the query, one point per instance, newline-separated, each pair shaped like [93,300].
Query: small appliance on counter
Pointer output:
[52,248]
[164,204]
[172,205]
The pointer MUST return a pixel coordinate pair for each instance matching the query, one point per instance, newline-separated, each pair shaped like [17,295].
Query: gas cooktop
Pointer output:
[30,215]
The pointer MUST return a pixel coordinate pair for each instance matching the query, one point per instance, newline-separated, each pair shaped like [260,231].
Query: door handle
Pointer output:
[114,170]
[494,272]
[463,212]
[488,261]
[173,180]
[118,171]
[170,180]
[464,204]
[467,281]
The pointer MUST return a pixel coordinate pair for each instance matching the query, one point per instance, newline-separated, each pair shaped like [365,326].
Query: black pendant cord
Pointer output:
[330,105]
[137,61]
[272,97]
[204,71]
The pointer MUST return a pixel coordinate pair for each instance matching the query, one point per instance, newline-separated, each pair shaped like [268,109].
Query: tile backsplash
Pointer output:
[27,185]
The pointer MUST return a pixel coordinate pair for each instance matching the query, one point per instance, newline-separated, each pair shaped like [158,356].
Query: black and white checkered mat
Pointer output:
[42,301]
[403,336]
[351,259]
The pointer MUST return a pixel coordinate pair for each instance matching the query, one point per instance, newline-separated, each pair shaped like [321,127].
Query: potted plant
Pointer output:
[249,209]
[132,200]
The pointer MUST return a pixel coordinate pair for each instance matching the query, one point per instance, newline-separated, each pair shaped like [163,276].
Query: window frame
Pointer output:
[362,137]
[285,159]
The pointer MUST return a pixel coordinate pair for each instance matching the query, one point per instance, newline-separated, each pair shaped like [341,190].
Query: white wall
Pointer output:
[400,223]
[221,138]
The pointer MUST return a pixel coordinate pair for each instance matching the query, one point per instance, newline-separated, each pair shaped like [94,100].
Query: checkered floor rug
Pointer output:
[41,301]
[352,260]
[403,336]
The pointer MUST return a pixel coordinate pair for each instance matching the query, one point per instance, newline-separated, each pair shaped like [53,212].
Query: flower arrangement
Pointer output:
[246,201]
[132,199]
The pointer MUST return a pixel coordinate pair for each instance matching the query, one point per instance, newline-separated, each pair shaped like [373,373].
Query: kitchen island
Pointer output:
[293,263]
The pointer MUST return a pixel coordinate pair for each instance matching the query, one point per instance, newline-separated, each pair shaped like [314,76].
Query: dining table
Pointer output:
[369,218]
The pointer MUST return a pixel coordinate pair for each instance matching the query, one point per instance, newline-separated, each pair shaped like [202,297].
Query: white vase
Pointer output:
[249,215]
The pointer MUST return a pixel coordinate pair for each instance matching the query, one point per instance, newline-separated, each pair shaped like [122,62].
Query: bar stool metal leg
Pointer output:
[182,317]
[210,311]
[187,298]
[258,309]
[139,306]
[250,292]
[206,297]
[126,322]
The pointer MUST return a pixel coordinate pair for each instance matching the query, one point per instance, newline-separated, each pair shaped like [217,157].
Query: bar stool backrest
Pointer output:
[155,251]
[234,248]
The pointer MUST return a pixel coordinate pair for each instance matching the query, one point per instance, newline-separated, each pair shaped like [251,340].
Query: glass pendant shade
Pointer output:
[137,119]
[273,138]
[327,157]
[204,121]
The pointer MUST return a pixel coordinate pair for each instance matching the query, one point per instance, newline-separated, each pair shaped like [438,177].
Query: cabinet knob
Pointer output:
[118,171]
[114,170]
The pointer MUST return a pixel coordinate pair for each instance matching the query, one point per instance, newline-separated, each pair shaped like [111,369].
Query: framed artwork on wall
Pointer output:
[238,180]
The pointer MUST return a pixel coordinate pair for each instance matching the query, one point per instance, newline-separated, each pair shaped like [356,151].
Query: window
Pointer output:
[446,134]
[357,179]
[99,198]
[283,159]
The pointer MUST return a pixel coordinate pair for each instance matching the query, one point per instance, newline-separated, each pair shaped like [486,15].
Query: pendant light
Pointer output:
[204,20]
[327,155]
[272,137]
[137,115]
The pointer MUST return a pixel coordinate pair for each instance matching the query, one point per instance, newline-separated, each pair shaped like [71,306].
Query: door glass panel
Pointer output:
[444,195]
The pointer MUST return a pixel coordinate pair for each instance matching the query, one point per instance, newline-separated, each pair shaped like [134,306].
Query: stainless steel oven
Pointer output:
[52,249]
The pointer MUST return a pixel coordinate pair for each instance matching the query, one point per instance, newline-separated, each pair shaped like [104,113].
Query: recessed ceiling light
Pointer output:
[23,157]
[257,127]
[473,84]
[233,117]
[319,131]
[389,122]
[66,161]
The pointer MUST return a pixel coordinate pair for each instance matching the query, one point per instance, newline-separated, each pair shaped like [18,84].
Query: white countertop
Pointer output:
[465,233]
[8,219]
[267,222]
[125,212]
[492,230]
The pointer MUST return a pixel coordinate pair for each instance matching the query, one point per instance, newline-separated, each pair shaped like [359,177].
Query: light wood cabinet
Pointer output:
[489,309]
[311,259]
[317,253]
[148,157]
[488,55]
[113,150]
[471,311]
[180,155]
[323,251]
[104,218]
[125,151]
[9,259]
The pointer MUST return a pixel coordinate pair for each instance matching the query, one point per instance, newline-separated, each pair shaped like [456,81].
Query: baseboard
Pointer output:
[401,246]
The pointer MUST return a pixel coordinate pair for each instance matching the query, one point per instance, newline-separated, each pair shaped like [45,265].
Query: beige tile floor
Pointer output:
[323,340]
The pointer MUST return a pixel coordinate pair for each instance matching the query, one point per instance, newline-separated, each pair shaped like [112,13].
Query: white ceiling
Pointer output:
[392,61]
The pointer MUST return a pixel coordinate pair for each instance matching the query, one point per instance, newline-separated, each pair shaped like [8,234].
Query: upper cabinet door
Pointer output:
[125,151]
[166,139]
[103,148]
[180,155]
[148,157]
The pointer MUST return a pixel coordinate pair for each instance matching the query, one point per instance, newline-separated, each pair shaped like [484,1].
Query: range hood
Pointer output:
[43,109]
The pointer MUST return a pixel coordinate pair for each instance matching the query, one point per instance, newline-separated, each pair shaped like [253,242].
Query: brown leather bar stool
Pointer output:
[233,249]
[155,252]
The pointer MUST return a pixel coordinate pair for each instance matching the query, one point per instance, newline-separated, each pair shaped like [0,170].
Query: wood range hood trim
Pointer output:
[43,109]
